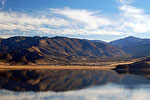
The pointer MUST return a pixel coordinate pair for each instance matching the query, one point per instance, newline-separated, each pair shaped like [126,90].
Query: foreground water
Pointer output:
[74,85]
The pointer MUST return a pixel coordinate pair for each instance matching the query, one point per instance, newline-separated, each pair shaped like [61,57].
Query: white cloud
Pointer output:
[131,9]
[125,1]
[88,17]
[134,20]
[23,22]
[69,21]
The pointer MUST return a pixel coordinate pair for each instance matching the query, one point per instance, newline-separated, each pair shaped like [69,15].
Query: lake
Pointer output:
[74,85]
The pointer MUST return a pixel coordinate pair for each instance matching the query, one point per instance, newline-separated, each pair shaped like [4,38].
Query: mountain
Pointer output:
[98,41]
[134,46]
[95,41]
[45,50]
[127,42]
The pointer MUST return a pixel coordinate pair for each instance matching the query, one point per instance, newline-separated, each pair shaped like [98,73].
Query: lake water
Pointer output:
[74,85]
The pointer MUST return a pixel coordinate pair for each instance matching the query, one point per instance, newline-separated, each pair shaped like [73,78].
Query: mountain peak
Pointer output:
[132,37]
[58,37]
[128,41]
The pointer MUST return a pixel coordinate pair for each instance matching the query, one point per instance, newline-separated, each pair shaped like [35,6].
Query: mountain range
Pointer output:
[56,50]
[20,50]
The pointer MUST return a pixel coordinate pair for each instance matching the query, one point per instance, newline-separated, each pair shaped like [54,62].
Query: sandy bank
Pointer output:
[55,67]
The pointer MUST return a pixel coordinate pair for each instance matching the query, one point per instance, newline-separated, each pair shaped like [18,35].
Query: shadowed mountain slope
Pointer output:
[136,47]
[45,50]
[126,42]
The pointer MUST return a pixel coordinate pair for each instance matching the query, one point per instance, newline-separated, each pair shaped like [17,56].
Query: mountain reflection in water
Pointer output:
[65,80]
[74,85]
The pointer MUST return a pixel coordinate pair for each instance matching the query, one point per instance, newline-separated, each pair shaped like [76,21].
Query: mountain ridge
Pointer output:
[45,50]
[130,40]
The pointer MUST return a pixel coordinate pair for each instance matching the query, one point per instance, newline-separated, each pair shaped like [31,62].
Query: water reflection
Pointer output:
[144,73]
[65,80]
[105,92]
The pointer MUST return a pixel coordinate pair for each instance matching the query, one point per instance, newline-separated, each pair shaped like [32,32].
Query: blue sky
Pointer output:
[89,19]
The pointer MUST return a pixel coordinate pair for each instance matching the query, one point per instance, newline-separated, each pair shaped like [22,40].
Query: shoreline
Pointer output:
[103,66]
[55,67]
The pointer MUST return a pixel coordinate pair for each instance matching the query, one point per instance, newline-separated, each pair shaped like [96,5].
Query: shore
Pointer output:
[103,66]
[55,67]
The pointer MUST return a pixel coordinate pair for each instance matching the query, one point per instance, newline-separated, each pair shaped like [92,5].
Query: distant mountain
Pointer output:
[45,50]
[98,41]
[127,42]
[95,41]
[137,47]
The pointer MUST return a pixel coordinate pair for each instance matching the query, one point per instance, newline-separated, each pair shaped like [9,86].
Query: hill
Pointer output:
[45,50]
[126,42]
[143,65]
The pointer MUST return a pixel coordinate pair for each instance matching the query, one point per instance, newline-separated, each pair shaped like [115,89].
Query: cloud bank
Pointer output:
[70,21]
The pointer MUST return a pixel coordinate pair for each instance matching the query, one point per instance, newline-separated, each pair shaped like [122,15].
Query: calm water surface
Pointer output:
[74,85]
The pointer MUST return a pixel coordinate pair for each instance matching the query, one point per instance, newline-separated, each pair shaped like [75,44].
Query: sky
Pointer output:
[105,20]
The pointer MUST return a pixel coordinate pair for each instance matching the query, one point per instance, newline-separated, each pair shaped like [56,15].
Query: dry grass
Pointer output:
[103,66]
[54,67]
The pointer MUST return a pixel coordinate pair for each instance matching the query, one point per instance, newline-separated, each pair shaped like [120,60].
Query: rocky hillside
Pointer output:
[45,50]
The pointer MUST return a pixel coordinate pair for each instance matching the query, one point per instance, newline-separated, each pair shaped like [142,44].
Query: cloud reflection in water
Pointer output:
[106,92]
